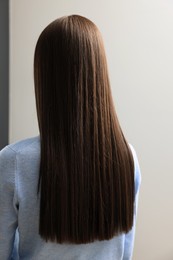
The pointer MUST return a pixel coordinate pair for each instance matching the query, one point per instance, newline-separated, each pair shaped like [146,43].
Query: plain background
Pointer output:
[4,72]
[138,37]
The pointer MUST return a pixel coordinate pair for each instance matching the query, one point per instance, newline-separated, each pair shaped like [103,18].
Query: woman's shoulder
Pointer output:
[22,145]
[27,150]
[136,168]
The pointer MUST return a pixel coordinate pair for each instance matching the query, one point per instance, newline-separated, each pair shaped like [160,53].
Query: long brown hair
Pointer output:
[86,178]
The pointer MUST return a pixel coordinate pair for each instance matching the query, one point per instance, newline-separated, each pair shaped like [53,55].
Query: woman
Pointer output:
[72,191]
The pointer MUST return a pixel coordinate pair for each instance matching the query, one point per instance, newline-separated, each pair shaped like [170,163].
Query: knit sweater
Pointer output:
[19,213]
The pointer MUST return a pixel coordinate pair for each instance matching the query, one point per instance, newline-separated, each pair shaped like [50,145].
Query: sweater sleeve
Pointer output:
[8,202]
[129,237]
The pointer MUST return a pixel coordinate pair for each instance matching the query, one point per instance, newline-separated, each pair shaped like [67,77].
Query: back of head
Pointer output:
[69,58]
[86,168]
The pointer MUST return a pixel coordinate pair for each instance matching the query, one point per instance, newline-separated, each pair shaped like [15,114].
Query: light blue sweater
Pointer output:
[19,211]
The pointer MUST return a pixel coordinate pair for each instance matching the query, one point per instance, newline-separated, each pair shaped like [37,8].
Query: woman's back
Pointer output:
[19,207]
[70,192]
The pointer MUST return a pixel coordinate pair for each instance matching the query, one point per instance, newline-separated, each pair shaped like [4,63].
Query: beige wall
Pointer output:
[138,37]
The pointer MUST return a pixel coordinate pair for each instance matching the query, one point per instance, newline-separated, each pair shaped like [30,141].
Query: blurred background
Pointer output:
[138,37]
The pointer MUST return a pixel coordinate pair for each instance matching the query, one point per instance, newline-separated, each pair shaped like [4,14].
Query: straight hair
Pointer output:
[86,175]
